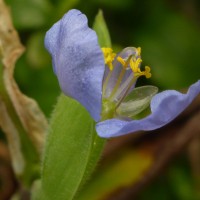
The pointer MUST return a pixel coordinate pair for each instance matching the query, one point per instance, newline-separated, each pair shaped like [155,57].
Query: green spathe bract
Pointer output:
[71,151]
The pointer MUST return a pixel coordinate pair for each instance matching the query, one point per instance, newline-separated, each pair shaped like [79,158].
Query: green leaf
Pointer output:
[71,152]
[102,31]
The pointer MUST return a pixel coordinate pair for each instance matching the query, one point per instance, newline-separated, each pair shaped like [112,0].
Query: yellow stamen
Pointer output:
[125,63]
[147,72]
[135,66]
[139,51]
[121,60]
[108,57]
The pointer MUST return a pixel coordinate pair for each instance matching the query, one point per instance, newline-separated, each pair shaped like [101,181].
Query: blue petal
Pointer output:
[77,60]
[165,106]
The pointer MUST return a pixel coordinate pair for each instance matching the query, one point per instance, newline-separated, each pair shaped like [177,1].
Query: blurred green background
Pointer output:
[167,31]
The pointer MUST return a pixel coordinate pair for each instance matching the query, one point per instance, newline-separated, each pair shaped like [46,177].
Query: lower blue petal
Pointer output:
[165,106]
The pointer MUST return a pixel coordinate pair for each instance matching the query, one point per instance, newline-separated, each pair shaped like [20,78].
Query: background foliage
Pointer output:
[166,30]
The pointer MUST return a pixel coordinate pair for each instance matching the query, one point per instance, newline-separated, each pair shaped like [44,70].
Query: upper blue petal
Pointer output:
[77,60]
[165,106]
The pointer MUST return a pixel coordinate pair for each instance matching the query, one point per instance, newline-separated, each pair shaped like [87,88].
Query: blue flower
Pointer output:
[104,82]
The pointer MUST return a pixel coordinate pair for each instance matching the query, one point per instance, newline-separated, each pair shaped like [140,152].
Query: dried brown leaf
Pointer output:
[29,113]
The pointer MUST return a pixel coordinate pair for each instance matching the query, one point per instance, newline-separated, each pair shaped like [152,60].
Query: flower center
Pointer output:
[121,73]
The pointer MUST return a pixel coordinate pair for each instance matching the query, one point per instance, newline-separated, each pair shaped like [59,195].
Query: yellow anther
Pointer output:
[135,66]
[108,57]
[121,60]
[139,51]
[147,72]
[125,62]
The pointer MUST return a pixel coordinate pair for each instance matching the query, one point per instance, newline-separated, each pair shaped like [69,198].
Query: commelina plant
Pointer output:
[104,82]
